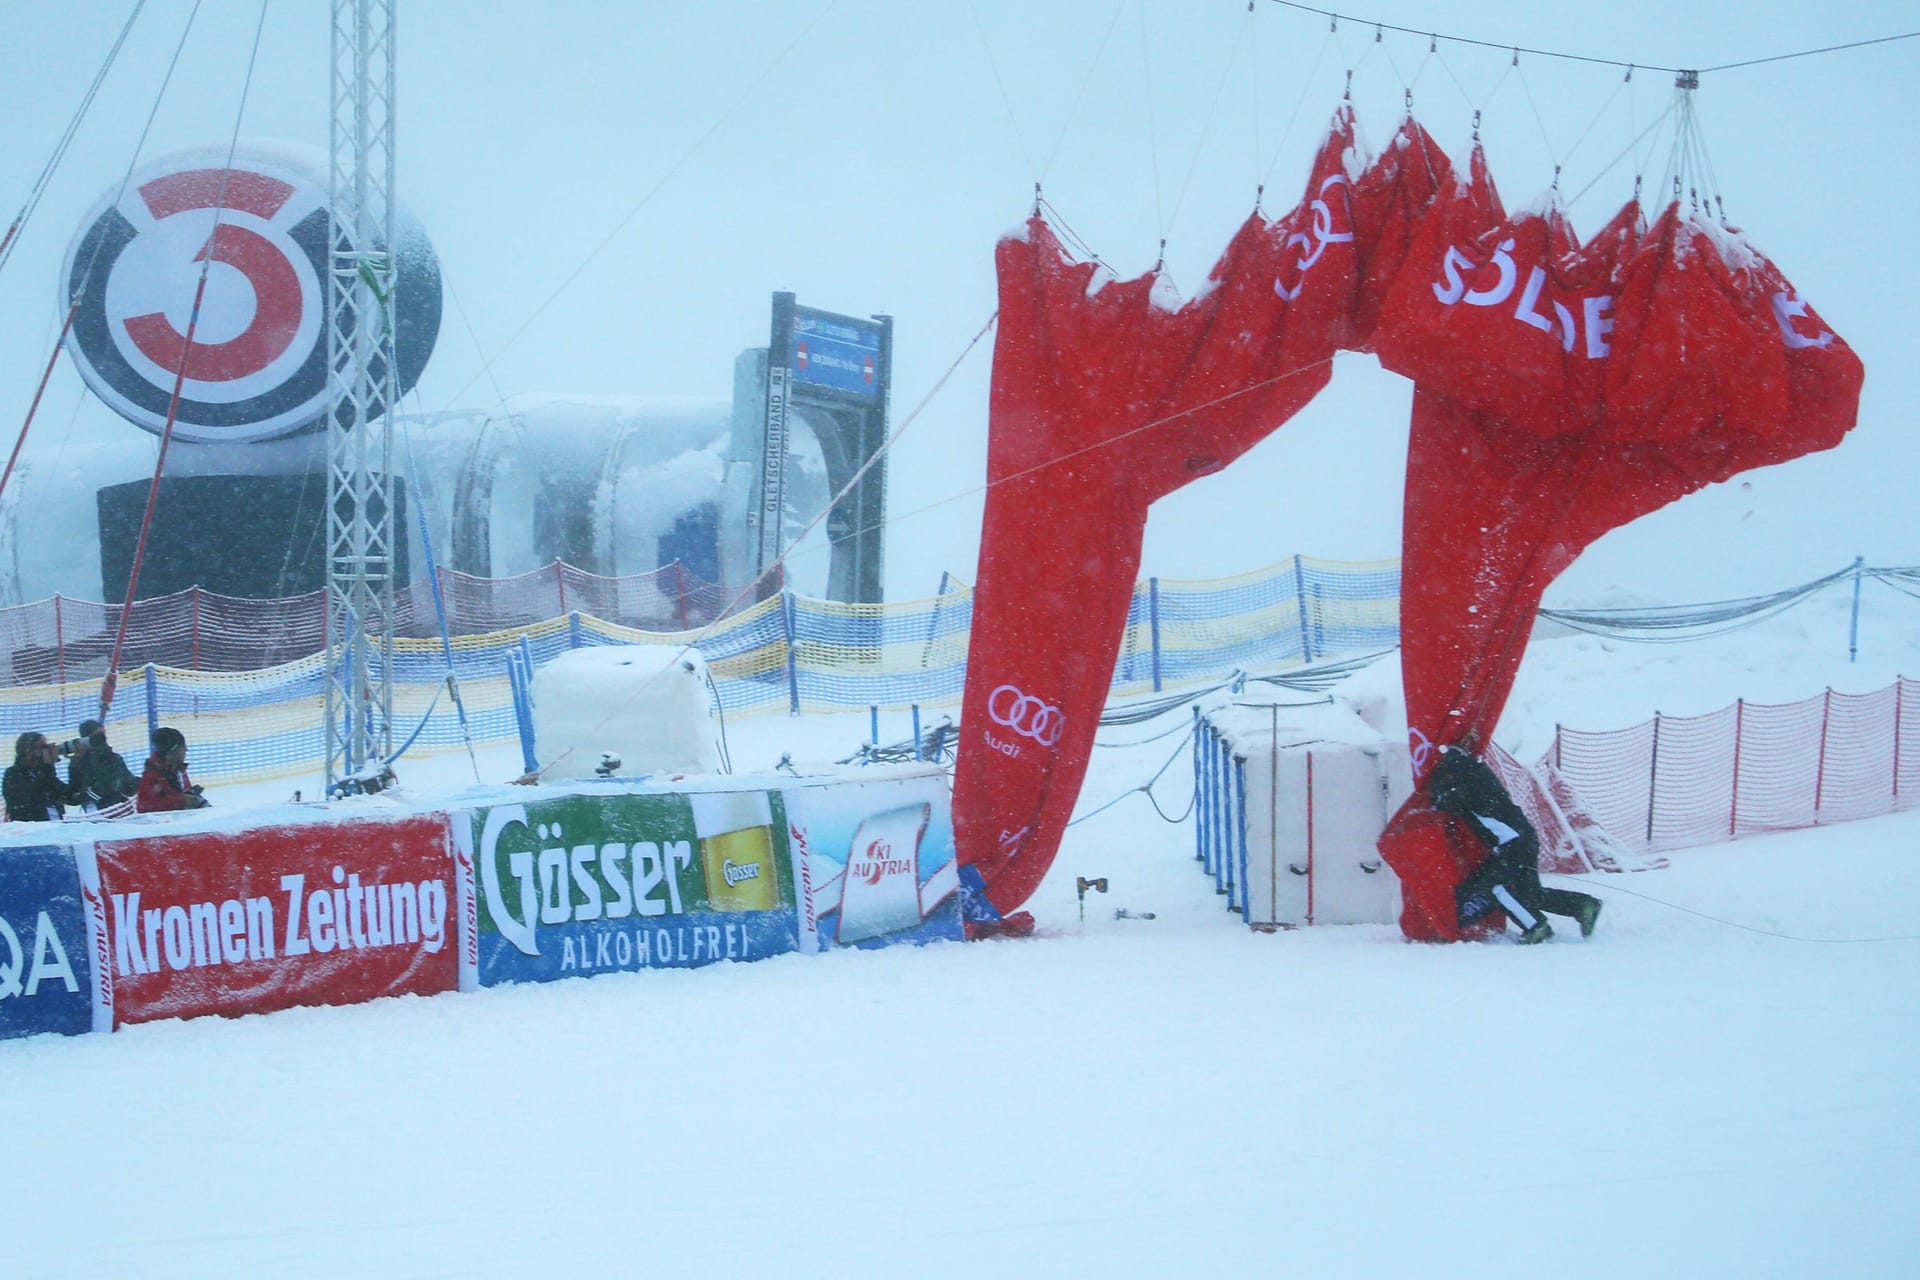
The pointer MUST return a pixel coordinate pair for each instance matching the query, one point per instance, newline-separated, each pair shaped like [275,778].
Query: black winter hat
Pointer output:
[165,740]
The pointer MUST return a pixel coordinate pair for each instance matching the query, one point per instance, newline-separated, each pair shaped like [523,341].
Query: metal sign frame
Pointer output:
[820,364]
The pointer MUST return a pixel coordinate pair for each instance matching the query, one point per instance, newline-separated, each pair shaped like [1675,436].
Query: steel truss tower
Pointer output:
[360,525]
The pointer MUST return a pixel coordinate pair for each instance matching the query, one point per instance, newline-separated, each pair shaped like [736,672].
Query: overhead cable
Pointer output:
[1516,50]
[12,233]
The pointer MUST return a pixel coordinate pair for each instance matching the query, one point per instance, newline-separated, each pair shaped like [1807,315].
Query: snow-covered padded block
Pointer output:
[1320,785]
[650,705]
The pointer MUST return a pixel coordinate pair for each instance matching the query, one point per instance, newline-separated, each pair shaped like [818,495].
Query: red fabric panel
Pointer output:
[1560,393]
[1106,396]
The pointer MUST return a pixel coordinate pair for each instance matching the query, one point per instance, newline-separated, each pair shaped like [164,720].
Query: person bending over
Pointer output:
[1465,786]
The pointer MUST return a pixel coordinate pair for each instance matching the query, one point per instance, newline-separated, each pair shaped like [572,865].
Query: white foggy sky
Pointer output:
[872,168]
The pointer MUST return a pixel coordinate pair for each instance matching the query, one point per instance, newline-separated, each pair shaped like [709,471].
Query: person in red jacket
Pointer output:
[164,785]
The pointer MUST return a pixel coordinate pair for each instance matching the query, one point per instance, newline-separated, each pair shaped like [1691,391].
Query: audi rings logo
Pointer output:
[253,365]
[1026,715]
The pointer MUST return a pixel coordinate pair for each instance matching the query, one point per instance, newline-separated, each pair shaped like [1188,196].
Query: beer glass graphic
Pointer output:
[881,891]
[736,849]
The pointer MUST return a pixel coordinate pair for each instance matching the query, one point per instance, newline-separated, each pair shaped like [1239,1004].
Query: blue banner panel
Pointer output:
[829,352]
[581,949]
[46,965]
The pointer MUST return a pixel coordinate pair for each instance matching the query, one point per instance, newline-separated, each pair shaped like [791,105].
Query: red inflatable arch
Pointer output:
[1561,391]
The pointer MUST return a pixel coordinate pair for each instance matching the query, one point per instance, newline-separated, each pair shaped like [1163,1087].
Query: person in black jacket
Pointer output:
[33,790]
[1463,785]
[97,774]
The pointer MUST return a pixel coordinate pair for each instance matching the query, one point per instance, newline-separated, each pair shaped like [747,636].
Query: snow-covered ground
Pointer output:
[1720,1082]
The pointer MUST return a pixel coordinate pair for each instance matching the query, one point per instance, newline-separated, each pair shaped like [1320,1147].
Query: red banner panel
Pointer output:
[235,922]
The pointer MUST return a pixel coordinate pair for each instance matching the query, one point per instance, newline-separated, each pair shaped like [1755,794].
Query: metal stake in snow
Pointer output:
[1080,886]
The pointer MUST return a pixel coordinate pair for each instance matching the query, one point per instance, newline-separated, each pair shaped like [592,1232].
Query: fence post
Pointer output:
[1853,627]
[1240,793]
[573,630]
[933,622]
[916,731]
[1653,777]
[1153,626]
[1820,778]
[787,627]
[1739,732]
[1558,762]
[1310,866]
[1300,594]
[153,701]
[1199,822]
[873,719]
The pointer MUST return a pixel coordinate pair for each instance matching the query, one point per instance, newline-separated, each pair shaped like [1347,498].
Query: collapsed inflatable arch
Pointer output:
[1561,391]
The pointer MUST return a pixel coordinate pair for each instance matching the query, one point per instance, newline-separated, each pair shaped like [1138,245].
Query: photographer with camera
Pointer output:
[33,790]
[97,774]
[164,784]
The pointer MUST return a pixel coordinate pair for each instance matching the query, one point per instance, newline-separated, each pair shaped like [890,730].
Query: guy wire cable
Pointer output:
[1578,57]
[39,188]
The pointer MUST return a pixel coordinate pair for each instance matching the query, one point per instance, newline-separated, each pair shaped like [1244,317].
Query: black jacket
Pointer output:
[34,793]
[99,777]
[1466,787]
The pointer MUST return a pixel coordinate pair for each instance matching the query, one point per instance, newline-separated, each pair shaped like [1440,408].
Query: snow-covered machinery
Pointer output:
[1290,801]
[630,710]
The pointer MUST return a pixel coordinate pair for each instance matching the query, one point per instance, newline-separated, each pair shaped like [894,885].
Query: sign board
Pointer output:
[831,375]
[46,961]
[877,862]
[836,352]
[574,885]
[235,922]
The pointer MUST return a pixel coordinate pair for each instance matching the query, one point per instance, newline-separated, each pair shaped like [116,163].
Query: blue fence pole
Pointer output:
[153,701]
[1203,759]
[519,683]
[1153,626]
[788,624]
[933,620]
[1240,791]
[1853,628]
[1300,594]
[873,718]
[1199,827]
[916,731]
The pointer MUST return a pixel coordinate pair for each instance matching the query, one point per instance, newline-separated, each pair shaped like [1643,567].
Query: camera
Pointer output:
[70,746]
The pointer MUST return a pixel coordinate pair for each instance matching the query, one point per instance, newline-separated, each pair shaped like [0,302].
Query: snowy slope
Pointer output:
[1718,1083]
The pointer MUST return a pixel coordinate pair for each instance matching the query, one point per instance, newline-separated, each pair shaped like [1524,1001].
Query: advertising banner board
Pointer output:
[836,351]
[46,962]
[877,862]
[574,885]
[237,922]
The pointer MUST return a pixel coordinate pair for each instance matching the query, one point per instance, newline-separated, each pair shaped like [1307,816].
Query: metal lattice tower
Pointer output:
[360,524]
